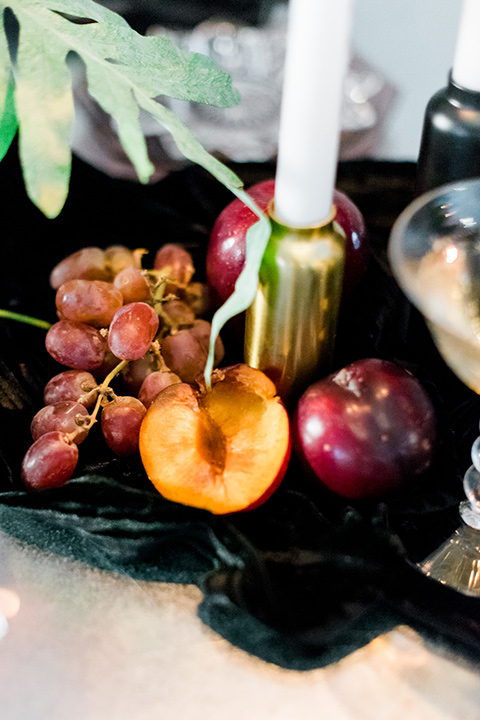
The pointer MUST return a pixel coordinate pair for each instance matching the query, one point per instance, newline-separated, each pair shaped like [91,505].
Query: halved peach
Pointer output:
[224,449]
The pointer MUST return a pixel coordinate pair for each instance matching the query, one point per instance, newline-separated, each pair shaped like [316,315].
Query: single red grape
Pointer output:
[186,352]
[132,330]
[61,416]
[117,258]
[178,313]
[76,345]
[120,422]
[88,263]
[75,385]
[154,384]
[133,284]
[136,371]
[90,301]
[176,263]
[50,462]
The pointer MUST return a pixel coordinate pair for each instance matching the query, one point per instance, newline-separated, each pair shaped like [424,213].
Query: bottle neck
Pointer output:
[462,96]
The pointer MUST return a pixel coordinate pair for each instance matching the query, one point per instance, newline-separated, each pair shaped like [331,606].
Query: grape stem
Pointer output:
[160,362]
[103,390]
[27,319]
[159,292]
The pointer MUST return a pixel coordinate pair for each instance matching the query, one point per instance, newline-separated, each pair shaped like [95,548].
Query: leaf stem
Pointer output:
[27,319]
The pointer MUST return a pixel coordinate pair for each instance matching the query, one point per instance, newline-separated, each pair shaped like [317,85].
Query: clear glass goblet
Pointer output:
[434,253]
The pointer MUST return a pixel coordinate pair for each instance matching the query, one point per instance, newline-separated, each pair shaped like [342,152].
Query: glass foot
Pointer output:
[457,562]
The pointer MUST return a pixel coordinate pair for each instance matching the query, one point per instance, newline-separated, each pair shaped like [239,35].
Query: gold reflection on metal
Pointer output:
[291,325]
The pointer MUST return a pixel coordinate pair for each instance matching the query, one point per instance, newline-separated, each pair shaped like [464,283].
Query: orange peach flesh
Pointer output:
[222,450]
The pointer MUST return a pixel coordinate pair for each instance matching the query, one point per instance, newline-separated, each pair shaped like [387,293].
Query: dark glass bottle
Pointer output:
[450,146]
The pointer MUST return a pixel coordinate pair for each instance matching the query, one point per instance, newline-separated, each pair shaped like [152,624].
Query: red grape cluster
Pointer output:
[115,318]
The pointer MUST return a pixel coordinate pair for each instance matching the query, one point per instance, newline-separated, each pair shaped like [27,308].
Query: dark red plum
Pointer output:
[366,429]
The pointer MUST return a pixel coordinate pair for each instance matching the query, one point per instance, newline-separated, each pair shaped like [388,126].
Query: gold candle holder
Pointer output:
[291,325]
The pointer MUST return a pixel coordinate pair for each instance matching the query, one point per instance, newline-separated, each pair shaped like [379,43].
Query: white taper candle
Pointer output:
[466,64]
[317,58]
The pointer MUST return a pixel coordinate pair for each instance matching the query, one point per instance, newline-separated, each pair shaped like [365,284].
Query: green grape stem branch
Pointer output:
[27,319]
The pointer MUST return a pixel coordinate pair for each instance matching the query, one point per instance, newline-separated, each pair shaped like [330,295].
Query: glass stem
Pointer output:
[470,508]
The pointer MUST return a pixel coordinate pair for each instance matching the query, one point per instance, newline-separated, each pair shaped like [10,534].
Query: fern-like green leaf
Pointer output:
[125,71]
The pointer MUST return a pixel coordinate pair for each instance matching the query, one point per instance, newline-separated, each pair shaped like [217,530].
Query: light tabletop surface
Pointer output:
[89,645]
